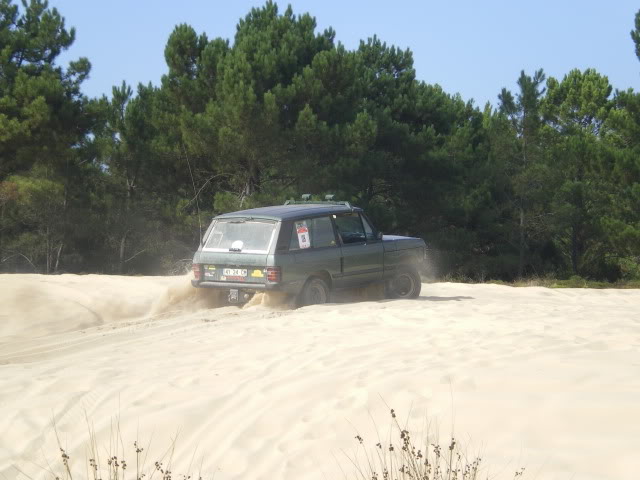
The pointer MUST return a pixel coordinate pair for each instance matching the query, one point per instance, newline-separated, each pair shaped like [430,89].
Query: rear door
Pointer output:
[362,252]
[315,249]
[236,250]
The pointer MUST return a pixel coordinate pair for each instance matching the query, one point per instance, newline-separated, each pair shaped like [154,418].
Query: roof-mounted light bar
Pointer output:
[328,200]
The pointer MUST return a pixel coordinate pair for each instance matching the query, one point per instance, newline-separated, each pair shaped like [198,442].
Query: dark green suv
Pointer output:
[306,249]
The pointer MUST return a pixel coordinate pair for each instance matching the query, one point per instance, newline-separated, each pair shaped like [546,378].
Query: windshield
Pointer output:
[240,235]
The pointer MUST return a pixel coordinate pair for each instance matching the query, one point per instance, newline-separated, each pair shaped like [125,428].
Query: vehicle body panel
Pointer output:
[362,263]
[400,251]
[320,262]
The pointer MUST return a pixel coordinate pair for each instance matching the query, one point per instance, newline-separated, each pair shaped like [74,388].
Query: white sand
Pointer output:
[546,379]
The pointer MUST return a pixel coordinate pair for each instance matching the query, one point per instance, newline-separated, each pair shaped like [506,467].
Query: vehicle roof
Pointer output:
[291,212]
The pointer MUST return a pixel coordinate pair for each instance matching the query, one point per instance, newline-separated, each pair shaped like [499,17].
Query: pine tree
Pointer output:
[577,108]
[44,120]
[523,111]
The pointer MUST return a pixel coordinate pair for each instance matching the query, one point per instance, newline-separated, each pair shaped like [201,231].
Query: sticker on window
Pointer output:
[303,234]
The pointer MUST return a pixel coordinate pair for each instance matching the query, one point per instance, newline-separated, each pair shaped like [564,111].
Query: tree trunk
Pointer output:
[521,224]
[55,269]
[48,253]
[574,250]
[2,207]
[123,239]
[123,242]
[522,244]
[370,192]
[250,185]
[64,225]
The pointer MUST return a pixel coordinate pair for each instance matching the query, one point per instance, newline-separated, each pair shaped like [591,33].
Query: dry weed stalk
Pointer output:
[407,460]
[115,467]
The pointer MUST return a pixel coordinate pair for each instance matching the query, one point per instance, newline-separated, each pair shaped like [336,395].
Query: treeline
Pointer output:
[546,183]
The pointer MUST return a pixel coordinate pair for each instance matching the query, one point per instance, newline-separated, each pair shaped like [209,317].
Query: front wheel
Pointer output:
[404,284]
[314,292]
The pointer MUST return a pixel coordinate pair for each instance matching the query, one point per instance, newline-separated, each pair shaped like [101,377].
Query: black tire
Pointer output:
[406,283]
[315,292]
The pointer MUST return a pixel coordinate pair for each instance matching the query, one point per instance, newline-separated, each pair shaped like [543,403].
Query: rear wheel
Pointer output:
[404,284]
[314,292]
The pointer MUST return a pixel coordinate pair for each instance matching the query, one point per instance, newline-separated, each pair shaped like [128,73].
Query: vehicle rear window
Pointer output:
[241,235]
[312,233]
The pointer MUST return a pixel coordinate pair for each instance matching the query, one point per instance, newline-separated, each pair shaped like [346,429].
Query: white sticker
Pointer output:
[303,234]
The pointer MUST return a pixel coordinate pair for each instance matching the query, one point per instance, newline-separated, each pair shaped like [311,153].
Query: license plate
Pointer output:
[235,272]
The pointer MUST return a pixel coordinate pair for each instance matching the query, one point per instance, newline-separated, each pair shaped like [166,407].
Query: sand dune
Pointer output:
[547,379]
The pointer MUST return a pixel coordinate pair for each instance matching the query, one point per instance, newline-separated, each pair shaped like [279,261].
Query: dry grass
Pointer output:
[398,457]
[401,457]
[547,282]
[112,462]
[573,282]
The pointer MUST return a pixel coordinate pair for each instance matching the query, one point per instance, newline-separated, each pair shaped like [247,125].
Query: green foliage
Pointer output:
[635,34]
[620,222]
[547,183]
[518,130]
[44,126]
[576,109]
[34,205]
[41,107]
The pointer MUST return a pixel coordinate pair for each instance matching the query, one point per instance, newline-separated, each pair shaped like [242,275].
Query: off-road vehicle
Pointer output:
[307,249]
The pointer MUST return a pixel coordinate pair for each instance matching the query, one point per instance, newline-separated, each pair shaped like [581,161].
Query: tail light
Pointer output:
[197,271]
[274,274]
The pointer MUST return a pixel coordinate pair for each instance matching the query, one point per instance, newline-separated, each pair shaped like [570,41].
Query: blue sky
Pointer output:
[471,47]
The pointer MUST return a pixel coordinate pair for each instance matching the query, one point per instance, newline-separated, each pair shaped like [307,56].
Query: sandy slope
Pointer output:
[547,379]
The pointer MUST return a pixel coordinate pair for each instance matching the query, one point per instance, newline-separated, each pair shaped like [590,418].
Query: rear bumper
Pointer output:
[239,285]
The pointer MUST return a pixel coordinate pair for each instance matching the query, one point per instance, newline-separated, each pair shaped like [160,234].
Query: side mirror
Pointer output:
[379,235]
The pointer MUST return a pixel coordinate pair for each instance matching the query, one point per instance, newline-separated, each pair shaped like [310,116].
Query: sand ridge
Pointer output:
[547,379]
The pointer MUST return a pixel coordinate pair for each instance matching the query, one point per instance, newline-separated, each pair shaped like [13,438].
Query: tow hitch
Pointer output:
[233,296]
[238,296]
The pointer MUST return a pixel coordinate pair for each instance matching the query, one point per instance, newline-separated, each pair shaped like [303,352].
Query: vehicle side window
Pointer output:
[207,232]
[284,237]
[322,234]
[368,230]
[350,228]
[312,233]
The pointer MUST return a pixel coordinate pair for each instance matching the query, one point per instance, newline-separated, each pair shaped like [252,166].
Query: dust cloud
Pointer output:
[181,296]
[41,305]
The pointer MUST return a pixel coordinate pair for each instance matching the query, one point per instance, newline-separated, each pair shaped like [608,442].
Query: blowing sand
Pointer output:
[546,379]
